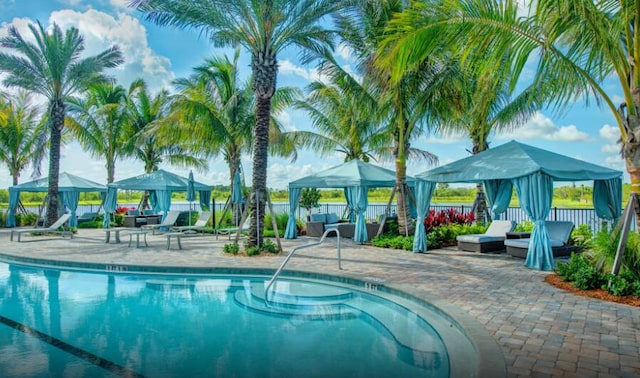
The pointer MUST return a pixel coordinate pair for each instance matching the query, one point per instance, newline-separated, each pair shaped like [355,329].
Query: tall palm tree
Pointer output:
[264,28]
[408,106]
[23,135]
[53,68]
[578,44]
[100,123]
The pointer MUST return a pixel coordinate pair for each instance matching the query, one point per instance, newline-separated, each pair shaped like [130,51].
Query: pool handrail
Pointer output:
[286,260]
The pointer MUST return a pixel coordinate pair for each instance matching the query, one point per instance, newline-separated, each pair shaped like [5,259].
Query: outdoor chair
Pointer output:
[559,233]
[53,229]
[491,241]
[200,223]
[233,230]
[167,223]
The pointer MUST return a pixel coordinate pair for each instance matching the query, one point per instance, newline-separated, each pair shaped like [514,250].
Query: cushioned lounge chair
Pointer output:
[200,223]
[53,229]
[168,222]
[491,241]
[559,233]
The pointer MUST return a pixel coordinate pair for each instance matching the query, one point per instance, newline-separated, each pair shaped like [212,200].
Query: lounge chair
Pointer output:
[167,223]
[491,241]
[559,233]
[53,229]
[233,230]
[200,223]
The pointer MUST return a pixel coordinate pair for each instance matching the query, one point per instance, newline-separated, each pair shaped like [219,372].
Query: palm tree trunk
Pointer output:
[405,224]
[57,113]
[260,154]
[634,174]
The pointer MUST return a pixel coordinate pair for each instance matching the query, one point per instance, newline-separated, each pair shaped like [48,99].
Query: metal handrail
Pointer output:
[286,260]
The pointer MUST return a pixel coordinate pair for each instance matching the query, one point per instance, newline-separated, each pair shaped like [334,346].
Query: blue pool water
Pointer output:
[70,323]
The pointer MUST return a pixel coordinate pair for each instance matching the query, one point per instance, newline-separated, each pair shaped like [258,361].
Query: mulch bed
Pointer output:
[555,280]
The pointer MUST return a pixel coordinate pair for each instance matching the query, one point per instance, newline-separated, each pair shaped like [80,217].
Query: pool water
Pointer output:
[69,323]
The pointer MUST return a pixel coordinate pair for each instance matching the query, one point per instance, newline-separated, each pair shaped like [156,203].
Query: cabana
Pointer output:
[532,171]
[356,177]
[160,184]
[69,187]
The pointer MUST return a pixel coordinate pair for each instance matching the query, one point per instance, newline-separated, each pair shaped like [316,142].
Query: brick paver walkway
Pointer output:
[541,330]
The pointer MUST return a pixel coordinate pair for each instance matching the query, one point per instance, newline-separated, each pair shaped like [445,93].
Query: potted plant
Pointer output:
[309,198]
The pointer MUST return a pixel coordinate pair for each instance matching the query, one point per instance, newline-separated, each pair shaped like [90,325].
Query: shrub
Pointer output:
[445,217]
[526,226]
[232,248]
[388,240]
[622,284]
[581,236]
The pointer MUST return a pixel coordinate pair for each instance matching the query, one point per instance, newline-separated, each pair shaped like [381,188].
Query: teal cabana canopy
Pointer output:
[69,187]
[532,171]
[160,184]
[356,177]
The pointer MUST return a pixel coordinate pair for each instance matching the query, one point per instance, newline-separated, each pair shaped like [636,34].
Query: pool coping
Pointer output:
[491,361]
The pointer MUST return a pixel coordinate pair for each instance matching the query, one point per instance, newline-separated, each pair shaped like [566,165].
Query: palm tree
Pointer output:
[264,28]
[100,123]
[23,135]
[408,106]
[578,44]
[214,114]
[144,112]
[344,113]
[53,67]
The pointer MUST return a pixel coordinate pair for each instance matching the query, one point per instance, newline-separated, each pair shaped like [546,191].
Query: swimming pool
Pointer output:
[59,322]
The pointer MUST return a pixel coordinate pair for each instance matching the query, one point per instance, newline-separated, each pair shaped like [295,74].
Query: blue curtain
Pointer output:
[351,214]
[498,195]
[153,200]
[424,191]
[164,202]
[205,199]
[413,211]
[607,198]
[70,200]
[110,203]
[14,198]
[357,197]
[535,193]
[292,230]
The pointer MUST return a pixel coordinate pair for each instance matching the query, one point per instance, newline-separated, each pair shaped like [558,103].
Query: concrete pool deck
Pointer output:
[541,330]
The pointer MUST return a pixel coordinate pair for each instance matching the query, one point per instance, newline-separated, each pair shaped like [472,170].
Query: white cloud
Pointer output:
[279,175]
[102,31]
[540,126]
[345,52]
[611,134]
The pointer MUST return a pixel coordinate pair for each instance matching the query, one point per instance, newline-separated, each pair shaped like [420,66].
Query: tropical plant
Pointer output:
[343,110]
[577,44]
[309,199]
[23,135]
[53,67]
[407,107]
[99,121]
[264,28]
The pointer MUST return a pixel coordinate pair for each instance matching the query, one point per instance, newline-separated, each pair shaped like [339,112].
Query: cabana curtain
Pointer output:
[292,230]
[14,198]
[607,197]
[536,193]
[498,194]
[424,191]
[70,201]
[358,198]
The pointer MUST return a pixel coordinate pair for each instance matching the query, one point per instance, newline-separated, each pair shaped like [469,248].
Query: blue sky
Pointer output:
[160,55]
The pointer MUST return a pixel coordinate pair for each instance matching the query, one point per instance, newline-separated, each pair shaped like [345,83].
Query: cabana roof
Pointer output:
[158,180]
[66,183]
[352,173]
[514,159]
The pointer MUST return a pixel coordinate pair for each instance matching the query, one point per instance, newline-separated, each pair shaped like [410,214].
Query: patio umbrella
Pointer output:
[191,193]
[236,192]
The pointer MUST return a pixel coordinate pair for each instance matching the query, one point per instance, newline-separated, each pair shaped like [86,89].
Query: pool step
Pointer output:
[298,299]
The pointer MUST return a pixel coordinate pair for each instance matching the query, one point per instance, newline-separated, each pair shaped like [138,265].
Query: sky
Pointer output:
[161,54]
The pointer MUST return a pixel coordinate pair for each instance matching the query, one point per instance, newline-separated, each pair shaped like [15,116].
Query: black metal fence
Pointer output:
[577,216]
